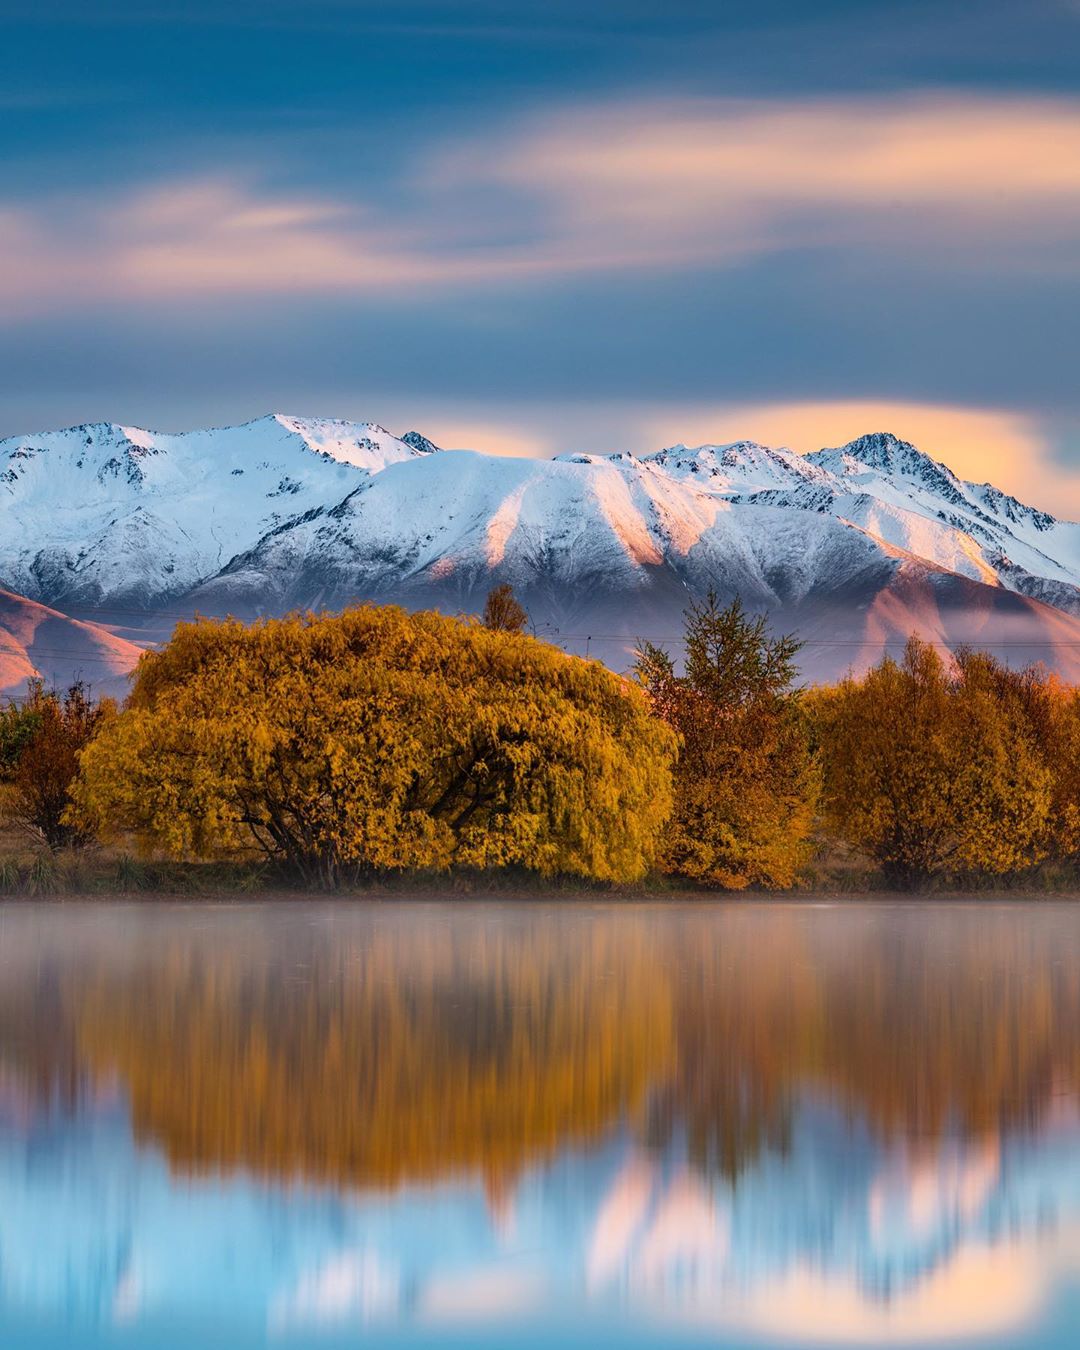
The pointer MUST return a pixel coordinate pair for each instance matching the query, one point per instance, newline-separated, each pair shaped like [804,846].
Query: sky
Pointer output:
[536,226]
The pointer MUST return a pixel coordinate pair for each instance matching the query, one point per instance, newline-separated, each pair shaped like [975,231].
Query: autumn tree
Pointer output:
[1038,707]
[745,784]
[502,612]
[930,770]
[19,720]
[40,743]
[376,740]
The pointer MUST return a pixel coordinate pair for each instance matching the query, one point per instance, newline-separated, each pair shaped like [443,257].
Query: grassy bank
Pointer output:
[97,873]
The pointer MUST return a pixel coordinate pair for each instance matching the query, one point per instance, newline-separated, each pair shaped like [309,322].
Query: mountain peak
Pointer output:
[881,452]
[420,442]
[737,466]
[301,424]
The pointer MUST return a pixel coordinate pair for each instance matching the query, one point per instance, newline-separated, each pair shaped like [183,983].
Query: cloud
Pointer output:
[694,181]
[489,438]
[190,239]
[201,238]
[604,188]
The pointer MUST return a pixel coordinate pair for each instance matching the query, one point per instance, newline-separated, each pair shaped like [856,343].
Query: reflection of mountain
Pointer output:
[956,1238]
[714,1111]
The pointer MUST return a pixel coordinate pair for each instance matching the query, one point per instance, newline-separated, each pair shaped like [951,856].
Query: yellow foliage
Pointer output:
[929,770]
[399,1044]
[378,739]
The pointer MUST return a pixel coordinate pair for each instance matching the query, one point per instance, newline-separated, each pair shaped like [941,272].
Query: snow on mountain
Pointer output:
[857,545]
[1000,534]
[105,512]
[740,467]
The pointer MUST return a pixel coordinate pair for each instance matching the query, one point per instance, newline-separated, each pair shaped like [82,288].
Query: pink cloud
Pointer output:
[618,186]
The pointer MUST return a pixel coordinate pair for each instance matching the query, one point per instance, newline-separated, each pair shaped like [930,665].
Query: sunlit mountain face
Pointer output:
[631,1125]
[109,534]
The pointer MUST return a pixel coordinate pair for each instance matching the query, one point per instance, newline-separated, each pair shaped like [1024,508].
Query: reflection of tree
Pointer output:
[965,1019]
[974,1029]
[410,1055]
[38,1063]
[404,1044]
[746,1002]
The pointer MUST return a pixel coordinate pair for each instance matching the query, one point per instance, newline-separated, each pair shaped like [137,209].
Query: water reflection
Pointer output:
[853,1123]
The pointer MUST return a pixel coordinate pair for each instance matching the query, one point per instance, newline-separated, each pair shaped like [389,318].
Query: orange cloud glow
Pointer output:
[981,445]
[703,179]
[595,188]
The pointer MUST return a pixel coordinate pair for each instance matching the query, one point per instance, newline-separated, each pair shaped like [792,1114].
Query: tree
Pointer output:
[745,784]
[378,740]
[932,771]
[502,613]
[1035,705]
[18,723]
[42,742]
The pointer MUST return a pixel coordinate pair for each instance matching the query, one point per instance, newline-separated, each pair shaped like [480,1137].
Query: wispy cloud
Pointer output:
[191,238]
[597,189]
[685,182]
[220,237]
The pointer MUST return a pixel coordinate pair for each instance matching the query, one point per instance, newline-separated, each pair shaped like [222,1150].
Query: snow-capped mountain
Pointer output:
[109,513]
[850,547]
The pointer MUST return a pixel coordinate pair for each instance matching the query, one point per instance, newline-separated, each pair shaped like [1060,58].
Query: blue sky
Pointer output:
[533,227]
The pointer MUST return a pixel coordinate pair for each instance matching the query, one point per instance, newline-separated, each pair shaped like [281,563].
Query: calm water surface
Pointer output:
[564,1125]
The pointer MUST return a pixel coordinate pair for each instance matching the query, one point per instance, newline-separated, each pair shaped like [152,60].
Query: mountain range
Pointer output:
[110,533]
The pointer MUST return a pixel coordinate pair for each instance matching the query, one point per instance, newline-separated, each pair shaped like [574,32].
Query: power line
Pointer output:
[1049,644]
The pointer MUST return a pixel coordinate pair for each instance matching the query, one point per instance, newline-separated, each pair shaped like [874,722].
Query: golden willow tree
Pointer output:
[379,740]
[933,769]
[745,785]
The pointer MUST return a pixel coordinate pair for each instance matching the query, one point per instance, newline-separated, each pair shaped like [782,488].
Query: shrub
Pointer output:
[379,740]
[18,723]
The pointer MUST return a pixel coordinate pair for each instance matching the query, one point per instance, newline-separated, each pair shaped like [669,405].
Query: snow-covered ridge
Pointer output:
[290,511]
[102,511]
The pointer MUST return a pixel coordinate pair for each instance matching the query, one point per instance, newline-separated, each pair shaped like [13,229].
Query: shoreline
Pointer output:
[378,895]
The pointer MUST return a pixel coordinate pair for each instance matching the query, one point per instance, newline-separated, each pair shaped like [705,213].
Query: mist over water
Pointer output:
[575,1123]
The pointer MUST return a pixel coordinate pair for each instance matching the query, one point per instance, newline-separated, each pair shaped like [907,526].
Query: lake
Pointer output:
[566,1124]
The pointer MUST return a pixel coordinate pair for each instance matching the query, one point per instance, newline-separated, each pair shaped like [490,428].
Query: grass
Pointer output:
[35,872]
[71,874]
[92,872]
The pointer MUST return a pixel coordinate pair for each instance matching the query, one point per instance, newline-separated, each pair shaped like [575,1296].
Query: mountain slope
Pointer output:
[853,547]
[38,641]
[106,512]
